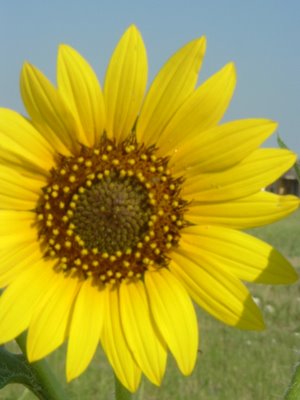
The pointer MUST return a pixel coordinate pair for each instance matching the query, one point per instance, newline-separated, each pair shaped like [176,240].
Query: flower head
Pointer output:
[118,208]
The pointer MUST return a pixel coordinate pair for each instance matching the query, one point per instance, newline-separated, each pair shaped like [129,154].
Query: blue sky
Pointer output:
[260,36]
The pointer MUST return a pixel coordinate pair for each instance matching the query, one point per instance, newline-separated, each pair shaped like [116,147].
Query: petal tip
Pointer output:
[199,45]
[261,326]
[254,320]
[187,369]
[71,374]
[26,67]
[230,69]
[291,155]
[202,43]
[132,30]
[274,124]
[63,48]
[31,355]
[269,125]
[254,323]
[292,276]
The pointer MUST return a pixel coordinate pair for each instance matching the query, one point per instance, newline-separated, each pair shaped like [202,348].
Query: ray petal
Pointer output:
[170,89]
[221,147]
[15,260]
[140,332]
[238,253]
[21,298]
[85,328]
[22,145]
[47,108]
[49,325]
[115,345]
[18,191]
[202,110]
[218,292]
[175,316]
[80,88]
[125,84]
[254,173]
[16,228]
[11,220]
[247,212]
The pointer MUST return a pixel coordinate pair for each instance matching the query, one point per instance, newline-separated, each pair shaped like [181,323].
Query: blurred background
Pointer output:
[261,37]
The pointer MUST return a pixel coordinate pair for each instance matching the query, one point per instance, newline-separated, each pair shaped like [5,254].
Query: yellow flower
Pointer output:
[117,210]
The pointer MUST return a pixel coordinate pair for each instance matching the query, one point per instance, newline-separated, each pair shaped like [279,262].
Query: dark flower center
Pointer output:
[113,214]
[110,213]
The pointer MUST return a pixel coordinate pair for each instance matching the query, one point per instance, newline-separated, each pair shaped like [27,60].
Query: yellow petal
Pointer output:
[141,335]
[16,259]
[16,228]
[125,84]
[11,203]
[55,140]
[254,173]
[14,221]
[202,110]
[247,212]
[175,317]
[15,180]
[17,239]
[242,255]
[21,298]
[79,87]
[17,190]
[170,89]
[221,147]
[85,328]
[49,324]
[218,292]
[22,145]
[115,345]
[46,107]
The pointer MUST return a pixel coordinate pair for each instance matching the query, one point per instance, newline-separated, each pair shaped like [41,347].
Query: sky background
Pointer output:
[261,36]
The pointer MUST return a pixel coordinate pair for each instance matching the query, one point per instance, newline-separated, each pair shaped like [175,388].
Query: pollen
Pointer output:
[116,211]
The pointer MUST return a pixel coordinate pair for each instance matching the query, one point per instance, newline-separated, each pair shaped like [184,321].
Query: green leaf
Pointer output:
[281,143]
[14,368]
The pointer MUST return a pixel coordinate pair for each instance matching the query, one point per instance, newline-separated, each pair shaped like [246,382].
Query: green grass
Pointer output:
[232,364]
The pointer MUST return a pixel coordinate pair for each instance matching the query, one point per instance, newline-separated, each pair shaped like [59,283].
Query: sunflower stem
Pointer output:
[121,393]
[48,387]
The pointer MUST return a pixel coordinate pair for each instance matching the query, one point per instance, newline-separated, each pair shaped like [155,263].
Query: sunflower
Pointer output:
[119,209]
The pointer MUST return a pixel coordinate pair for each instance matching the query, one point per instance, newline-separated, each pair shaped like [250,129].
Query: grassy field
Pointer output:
[232,364]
